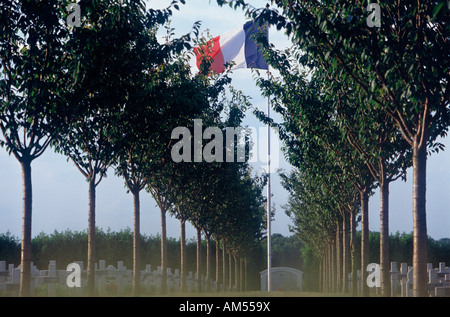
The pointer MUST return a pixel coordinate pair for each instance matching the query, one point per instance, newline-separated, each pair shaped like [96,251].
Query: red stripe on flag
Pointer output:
[212,51]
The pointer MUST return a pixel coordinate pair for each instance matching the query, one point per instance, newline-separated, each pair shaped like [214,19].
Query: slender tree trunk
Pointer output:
[364,241]
[25,272]
[217,265]
[208,263]
[236,273]
[419,220]
[137,244]
[183,257]
[333,265]
[230,272]
[338,256]
[325,272]
[345,252]
[224,268]
[241,275]
[199,260]
[353,250]
[91,239]
[320,275]
[384,237]
[163,288]
[246,275]
[327,269]
[326,288]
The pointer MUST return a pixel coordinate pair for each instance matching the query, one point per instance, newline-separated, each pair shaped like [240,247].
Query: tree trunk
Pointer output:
[338,256]
[324,273]
[217,265]
[91,239]
[364,241]
[224,268]
[321,274]
[329,264]
[353,250]
[136,244]
[345,252]
[183,257]
[320,277]
[332,266]
[384,237]
[199,260]
[163,288]
[419,220]
[208,263]
[236,273]
[246,275]
[230,272]
[25,272]
[327,269]
[333,256]
[241,275]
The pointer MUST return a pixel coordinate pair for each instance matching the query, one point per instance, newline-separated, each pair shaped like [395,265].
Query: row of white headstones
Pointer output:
[110,278]
[107,278]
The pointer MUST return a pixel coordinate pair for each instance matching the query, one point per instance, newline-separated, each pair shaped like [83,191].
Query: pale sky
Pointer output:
[60,193]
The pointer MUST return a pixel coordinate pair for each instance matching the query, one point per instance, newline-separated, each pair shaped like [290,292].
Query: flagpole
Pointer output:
[269,238]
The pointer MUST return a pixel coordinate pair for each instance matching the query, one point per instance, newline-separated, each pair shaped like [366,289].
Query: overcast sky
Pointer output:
[60,193]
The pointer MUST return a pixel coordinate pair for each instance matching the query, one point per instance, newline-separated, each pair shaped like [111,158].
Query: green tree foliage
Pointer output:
[112,105]
[165,93]
[399,68]
[285,251]
[33,81]
[9,248]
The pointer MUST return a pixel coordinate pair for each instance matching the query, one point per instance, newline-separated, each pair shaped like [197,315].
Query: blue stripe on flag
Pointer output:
[253,56]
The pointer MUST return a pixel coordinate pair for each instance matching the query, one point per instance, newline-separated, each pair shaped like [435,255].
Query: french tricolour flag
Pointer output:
[237,45]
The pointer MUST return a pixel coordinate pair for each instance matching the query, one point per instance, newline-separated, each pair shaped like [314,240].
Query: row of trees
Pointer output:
[400,251]
[359,105]
[108,95]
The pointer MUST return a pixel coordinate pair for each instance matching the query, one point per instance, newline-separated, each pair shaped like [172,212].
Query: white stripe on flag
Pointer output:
[233,48]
